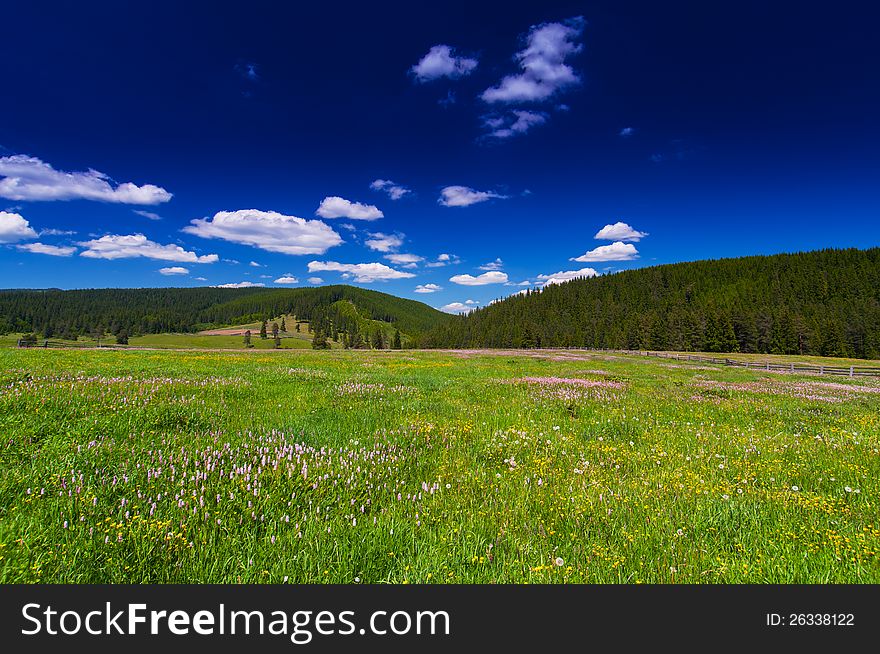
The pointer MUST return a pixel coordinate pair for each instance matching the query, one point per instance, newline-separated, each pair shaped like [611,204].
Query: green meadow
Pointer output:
[137,466]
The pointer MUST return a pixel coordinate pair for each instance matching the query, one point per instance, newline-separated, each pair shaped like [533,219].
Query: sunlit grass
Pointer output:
[154,466]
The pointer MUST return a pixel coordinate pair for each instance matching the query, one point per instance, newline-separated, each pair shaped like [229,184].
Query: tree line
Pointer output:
[814,303]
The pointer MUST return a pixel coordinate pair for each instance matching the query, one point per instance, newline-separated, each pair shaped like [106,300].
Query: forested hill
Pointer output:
[825,302]
[156,310]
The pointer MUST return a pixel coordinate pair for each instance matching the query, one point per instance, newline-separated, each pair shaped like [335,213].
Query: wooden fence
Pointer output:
[820,369]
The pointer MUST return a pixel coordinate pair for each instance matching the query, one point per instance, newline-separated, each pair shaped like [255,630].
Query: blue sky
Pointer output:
[451,153]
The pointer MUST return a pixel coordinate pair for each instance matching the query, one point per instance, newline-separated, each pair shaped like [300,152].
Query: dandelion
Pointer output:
[559,562]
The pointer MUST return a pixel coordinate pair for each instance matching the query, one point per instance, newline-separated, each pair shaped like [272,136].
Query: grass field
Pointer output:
[431,467]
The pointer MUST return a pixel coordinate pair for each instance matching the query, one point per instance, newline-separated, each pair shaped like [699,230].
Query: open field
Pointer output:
[424,467]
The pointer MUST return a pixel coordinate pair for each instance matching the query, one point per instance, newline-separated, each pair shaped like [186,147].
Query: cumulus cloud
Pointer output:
[564,276]
[315,280]
[174,270]
[619,232]
[395,191]
[267,230]
[384,242]
[493,277]
[29,178]
[498,264]
[51,250]
[456,307]
[287,279]
[518,121]
[444,259]
[13,227]
[428,288]
[626,132]
[617,251]
[464,196]
[441,61]
[130,246]
[254,264]
[405,260]
[363,273]
[544,71]
[335,207]
[239,285]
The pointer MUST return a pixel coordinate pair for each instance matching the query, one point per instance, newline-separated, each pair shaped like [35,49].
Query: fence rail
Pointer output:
[55,344]
[848,371]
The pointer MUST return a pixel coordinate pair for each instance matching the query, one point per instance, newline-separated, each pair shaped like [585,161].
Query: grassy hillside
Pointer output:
[815,303]
[55,313]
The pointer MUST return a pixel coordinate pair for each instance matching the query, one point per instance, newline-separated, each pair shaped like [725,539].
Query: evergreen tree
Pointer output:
[122,337]
[297,328]
[283,324]
[263,334]
[247,338]
[319,341]
[274,330]
[397,345]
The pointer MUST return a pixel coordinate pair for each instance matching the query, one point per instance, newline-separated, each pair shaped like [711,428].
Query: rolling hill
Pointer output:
[57,313]
[825,303]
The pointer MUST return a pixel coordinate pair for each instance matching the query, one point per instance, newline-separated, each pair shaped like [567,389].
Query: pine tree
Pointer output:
[263,330]
[319,341]
[122,337]
[397,345]
[247,338]
[297,328]
[283,324]
[274,330]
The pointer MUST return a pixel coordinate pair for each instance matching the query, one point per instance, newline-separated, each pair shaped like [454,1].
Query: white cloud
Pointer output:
[239,285]
[525,283]
[544,71]
[51,250]
[428,288]
[444,260]
[471,302]
[57,232]
[442,62]
[147,214]
[617,251]
[13,227]
[335,207]
[498,264]
[519,121]
[493,277]
[315,280]
[456,307]
[619,232]
[363,273]
[287,279]
[626,132]
[384,242]
[267,230]
[463,196]
[174,270]
[29,178]
[405,260]
[254,264]
[201,279]
[564,276]
[395,191]
[130,246]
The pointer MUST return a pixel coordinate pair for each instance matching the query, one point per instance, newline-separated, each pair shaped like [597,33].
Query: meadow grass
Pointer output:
[431,467]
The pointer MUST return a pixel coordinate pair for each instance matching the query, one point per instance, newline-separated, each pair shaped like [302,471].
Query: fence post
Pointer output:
[768,365]
[851,370]
[792,367]
[821,370]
